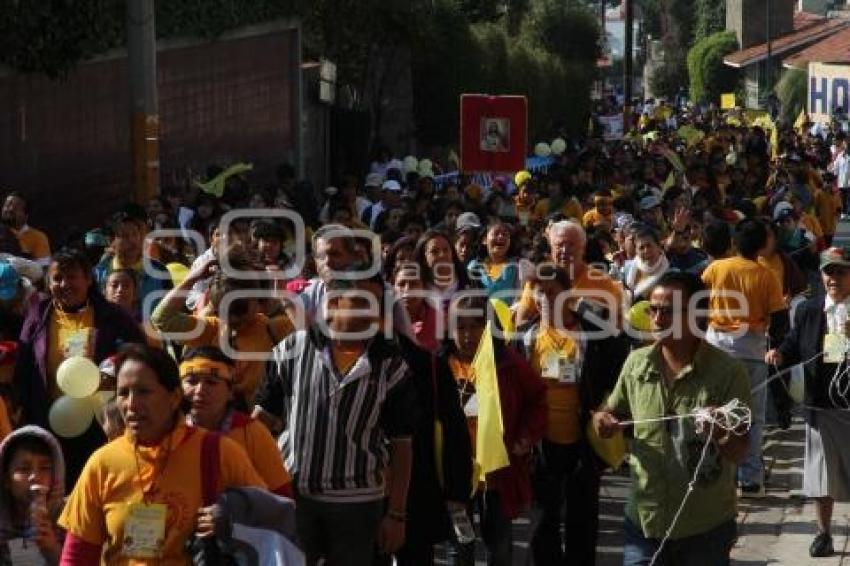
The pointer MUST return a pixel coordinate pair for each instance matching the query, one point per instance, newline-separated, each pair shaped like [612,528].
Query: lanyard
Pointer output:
[147,492]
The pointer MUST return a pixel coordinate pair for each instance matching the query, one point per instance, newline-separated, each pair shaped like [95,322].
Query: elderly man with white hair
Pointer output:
[567,242]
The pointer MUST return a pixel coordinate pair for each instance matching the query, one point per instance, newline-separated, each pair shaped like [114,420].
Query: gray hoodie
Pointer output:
[55,497]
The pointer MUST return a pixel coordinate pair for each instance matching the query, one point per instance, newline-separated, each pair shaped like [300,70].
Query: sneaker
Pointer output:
[752,490]
[821,546]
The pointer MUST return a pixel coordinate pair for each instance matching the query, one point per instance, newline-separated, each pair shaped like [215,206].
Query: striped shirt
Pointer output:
[336,427]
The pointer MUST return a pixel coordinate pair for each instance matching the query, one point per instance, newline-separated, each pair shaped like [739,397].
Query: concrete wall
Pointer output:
[65,144]
[748,18]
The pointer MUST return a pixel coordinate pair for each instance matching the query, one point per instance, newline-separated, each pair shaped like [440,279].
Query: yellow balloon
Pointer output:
[178,272]
[611,450]
[98,401]
[70,417]
[78,377]
[639,317]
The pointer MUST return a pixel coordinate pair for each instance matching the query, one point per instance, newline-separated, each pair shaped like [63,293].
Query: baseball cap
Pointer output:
[9,280]
[835,256]
[391,185]
[467,221]
[373,180]
[783,210]
[649,202]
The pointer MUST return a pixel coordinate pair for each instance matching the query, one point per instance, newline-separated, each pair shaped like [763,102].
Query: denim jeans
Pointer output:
[751,471]
[495,531]
[344,534]
[710,548]
[566,491]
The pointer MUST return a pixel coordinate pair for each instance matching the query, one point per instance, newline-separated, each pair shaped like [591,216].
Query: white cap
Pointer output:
[391,186]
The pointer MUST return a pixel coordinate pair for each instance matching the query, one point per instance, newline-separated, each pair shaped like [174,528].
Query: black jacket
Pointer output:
[428,520]
[803,343]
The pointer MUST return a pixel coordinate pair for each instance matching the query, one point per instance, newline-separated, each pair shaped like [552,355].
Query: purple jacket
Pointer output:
[114,327]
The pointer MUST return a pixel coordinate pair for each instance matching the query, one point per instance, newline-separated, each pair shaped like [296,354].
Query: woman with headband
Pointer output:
[207,376]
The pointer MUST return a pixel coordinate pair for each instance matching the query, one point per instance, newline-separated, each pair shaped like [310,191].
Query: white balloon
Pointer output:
[78,377]
[70,417]
[426,166]
[559,146]
[542,150]
[410,164]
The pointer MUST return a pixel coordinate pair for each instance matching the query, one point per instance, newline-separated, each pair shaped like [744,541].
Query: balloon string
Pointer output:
[787,370]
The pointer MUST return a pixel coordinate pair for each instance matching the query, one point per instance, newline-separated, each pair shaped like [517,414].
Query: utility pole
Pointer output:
[627,66]
[144,115]
[768,70]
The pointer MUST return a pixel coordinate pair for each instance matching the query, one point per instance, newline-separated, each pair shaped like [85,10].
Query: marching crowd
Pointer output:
[324,382]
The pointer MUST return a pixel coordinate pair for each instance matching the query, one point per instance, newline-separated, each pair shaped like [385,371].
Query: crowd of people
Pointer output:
[323,362]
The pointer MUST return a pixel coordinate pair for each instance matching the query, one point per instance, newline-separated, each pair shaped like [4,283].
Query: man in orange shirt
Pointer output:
[567,243]
[33,242]
[746,310]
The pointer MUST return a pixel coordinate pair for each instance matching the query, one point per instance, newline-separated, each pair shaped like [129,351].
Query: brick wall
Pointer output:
[65,144]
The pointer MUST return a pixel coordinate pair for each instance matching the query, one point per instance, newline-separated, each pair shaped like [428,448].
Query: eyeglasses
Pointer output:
[665,310]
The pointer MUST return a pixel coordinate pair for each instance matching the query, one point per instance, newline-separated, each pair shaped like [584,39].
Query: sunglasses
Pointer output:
[665,310]
[833,270]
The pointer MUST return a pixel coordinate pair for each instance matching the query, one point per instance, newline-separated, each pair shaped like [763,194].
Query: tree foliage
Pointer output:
[52,36]
[709,77]
[791,90]
[710,18]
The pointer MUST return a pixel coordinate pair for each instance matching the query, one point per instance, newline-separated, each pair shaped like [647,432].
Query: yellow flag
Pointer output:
[490,451]
[727,101]
[215,186]
[801,121]
[506,319]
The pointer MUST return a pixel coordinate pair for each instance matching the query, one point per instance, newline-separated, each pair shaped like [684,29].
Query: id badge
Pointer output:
[75,343]
[834,348]
[567,371]
[144,530]
[24,552]
[471,407]
[551,366]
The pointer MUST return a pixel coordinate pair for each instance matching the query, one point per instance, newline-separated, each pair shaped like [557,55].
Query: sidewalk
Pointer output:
[779,528]
[775,530]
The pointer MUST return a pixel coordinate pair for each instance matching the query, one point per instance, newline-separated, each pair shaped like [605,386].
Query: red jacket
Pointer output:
[523,397]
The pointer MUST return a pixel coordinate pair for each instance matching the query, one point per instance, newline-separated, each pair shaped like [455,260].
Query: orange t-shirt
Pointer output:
[743,294]
[113,479]
[34,243]
[593,284]
[465,378]
[262,450]
[256,339]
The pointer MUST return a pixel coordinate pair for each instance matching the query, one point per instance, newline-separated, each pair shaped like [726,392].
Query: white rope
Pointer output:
[734,417]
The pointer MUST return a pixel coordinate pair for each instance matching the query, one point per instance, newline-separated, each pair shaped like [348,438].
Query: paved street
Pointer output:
[774,530]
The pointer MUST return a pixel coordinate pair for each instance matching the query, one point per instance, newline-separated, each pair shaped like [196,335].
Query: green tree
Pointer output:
[791,90]
[709,77]
[710,18]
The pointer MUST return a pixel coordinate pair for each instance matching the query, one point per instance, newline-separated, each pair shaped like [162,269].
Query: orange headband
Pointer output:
[206,366]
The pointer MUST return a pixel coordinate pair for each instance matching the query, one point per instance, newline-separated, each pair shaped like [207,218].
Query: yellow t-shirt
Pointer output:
[571,208]
[261,335]
[774,264]
[811,224]
[593,284]
[562,400]
[263,452]
[34,243]
[68,334]
[494,270]
[755,284]
[112,479]
[827,207]
[592,218]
